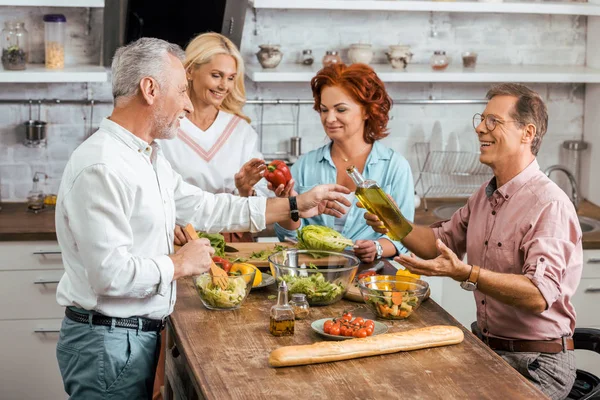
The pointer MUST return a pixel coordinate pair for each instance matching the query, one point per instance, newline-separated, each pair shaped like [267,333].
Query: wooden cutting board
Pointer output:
[246,250]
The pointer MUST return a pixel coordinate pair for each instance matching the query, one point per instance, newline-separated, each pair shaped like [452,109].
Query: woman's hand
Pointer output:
[365,250]
[250,173]
[283,191]
[181,236]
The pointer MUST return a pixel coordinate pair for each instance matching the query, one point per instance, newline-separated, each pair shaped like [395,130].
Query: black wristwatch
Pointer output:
[295,214]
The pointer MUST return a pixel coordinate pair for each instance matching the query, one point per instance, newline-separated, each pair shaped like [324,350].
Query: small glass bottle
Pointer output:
[15,46]
[439,61]
[307,57]
[376,201]
[35,197]
[300,305]
[331,57]
[282,314]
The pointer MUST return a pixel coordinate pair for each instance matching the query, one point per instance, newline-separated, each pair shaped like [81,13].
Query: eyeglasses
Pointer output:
[490,121]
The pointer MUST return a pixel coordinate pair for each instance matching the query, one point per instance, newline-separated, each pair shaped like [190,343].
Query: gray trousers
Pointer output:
[553,374]
[100,362]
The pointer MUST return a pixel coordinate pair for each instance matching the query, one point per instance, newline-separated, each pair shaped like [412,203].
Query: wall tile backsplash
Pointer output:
[497,38]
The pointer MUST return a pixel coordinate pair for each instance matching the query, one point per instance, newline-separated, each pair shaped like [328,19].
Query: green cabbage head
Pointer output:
[317,237]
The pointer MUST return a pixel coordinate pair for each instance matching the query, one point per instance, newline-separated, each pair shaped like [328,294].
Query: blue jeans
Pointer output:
[102,362]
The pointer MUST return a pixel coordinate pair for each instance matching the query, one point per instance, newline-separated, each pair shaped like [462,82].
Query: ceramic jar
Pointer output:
[331,57]
[360,53]
[439,60]
[269,56]
[399,56]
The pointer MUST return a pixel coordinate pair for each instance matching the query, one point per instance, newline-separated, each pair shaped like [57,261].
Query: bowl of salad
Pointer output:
[323,276]
[231,298]
[393,297]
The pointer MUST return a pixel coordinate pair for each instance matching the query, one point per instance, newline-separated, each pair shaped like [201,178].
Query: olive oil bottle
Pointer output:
[376,201]
[282,314]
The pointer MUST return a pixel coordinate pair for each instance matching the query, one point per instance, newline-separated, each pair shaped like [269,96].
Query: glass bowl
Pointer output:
[323,276]
[392,297]
[215,298]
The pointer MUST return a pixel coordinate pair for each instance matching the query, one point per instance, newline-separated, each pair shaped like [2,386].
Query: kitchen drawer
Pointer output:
[30,255]
[586,301]
[591,264]
[29,294]
[29,369]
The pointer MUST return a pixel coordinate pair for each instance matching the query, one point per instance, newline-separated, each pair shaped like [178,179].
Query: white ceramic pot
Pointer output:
[269,56]
[399,56]
[360,53]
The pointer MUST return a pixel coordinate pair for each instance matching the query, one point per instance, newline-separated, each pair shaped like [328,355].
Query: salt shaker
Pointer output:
[439,61]
[307,57]
[331,57]
[300,305]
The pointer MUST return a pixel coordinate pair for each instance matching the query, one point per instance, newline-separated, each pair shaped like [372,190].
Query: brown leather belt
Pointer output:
[536,346]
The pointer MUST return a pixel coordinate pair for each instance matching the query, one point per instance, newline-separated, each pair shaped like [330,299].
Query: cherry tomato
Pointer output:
[369,330]
[335,330]
[362,333]
[347,316]
[348,332]
[370,323]
[343,330]
[327,325]
[358,321]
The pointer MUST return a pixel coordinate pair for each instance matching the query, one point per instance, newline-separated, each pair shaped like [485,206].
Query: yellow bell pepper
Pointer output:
[405,273]
[246,269]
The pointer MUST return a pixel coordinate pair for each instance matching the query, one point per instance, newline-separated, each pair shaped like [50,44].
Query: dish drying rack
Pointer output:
[449,173]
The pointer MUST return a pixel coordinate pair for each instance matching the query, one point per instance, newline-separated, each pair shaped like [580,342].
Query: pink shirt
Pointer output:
[528,226]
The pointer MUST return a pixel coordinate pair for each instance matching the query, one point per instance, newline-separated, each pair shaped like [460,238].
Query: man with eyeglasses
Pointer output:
[522,240]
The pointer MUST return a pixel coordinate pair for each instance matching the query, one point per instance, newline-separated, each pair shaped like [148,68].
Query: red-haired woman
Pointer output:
[354,108]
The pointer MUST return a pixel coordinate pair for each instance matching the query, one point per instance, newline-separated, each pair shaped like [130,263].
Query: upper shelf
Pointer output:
[53,3]
[545,7]
[38,73]
[454,73]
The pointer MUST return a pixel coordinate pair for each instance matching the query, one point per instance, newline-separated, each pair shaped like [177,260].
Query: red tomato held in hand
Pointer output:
[278,173]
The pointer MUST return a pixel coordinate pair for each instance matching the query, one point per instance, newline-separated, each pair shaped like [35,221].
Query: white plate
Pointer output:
[317,326]
[267,280]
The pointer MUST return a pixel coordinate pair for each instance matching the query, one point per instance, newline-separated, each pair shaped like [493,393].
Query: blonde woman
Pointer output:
[216,148]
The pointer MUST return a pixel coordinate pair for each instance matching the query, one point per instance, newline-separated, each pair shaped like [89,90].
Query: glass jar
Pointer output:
[331,57]
[307,57]
[55,40]
[439,61]
[469,59]
[300,305]
[15,46]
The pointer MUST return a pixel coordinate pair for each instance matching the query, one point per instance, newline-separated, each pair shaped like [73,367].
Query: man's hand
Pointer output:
[180,237]
[250,173]
[365,250]
[323,199]
[446,264]
[283,191]
[194,258]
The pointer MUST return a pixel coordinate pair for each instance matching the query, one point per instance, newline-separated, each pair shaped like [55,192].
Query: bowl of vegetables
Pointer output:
[231,298]
[393,297]
[323,276]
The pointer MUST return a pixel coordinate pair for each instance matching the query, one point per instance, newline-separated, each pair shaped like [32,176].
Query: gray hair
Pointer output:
[146,57]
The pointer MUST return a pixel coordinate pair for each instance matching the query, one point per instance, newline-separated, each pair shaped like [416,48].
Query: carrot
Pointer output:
[397,298]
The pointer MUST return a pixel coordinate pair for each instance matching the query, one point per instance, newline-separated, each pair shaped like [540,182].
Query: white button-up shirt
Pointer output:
[116,210]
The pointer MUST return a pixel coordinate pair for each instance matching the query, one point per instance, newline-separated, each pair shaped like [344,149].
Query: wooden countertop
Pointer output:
[18,224]
[225,355]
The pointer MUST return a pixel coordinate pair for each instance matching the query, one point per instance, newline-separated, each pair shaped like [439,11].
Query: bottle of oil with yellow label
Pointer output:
[376,201]
[282,314]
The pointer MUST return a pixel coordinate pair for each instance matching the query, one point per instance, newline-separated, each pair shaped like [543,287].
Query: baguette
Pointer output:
[414,339]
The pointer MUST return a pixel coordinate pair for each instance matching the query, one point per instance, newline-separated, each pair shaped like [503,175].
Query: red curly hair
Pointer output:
[365,87]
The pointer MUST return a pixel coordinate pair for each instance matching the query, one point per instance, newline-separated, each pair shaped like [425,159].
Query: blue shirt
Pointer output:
[385,166]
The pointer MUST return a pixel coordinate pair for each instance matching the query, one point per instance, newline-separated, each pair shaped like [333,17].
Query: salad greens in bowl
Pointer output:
[231,298]
[323,276]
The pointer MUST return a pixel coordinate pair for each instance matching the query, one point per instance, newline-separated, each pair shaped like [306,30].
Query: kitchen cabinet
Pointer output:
[53,3]
[30,320]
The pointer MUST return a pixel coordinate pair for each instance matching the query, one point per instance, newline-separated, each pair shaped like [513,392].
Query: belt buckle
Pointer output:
[163,323]
[564,344]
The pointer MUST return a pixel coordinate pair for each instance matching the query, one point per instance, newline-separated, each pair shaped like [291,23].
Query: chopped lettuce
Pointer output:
[317,237]
[219,298]
[316,288]
[217,241]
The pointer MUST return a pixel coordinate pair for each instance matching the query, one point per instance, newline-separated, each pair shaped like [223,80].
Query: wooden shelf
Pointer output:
[38,73]
[454,73]
[513,7]
[53,3]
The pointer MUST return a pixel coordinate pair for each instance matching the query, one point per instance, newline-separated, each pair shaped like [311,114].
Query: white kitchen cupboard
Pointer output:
[30,320]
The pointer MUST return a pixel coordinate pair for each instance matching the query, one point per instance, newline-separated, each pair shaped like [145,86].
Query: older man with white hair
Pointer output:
[118,203]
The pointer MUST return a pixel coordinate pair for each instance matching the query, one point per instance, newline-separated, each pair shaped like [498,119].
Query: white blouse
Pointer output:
[210,159]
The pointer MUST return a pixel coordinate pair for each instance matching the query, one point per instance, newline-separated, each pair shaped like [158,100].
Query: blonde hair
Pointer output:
[202,49]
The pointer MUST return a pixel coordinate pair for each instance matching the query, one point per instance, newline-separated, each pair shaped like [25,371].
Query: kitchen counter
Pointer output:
[223,354]
[17,224]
